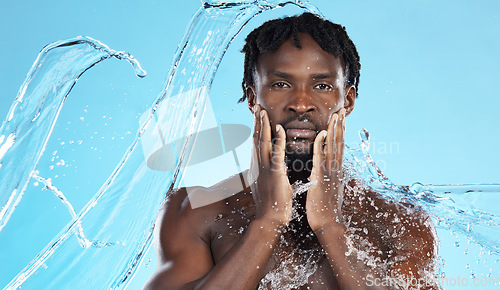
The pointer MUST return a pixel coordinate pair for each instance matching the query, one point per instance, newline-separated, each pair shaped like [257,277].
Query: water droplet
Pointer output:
[416,188]
[218,218]
[365,139]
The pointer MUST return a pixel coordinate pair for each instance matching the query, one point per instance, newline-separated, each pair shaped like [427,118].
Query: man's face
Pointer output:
[300,89]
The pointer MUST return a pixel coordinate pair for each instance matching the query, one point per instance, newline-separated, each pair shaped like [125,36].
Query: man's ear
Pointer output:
[250,93]
[350,97]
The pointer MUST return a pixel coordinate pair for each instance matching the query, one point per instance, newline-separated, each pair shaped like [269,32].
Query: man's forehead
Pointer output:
[310,55]
[290,66]
[312,74]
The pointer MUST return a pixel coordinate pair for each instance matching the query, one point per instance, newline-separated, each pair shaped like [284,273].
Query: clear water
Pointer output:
[115,227]
[31,118]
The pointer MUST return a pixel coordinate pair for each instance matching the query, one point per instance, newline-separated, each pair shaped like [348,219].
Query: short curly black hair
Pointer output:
[330,37]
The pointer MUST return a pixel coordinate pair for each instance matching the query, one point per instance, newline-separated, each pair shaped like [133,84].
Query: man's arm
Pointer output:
[415,252]
[323,206]
[183,250]
[184,255]
[411,264]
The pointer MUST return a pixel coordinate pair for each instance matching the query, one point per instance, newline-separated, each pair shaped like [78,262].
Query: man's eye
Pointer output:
[280,85]
[324,87]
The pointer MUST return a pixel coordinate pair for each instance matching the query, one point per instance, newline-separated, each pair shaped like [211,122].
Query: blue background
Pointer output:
[428,93]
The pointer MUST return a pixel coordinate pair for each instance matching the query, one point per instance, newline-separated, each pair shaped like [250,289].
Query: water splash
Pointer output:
[115,206]
[32,117]
[121,198]
[459,207]
[467,211]
[82,239]
[291,274]
[84,242]
[299,187]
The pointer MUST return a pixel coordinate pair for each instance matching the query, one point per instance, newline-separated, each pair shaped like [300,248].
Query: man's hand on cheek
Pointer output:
[324,198]
[272,192]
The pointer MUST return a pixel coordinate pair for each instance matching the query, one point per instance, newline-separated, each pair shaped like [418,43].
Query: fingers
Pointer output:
[334,147]
[278,154]
[318,155]
[330,138]
[262,136]
[257,127]
[265,139]
[339,139]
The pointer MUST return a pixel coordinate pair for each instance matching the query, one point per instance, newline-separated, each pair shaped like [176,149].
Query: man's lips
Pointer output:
[301,133]
[298,129]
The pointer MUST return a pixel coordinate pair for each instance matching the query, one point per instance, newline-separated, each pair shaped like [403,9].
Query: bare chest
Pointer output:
[288,267]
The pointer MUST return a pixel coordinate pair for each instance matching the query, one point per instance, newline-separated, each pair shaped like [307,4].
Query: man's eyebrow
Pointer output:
[322,76]
[279,74]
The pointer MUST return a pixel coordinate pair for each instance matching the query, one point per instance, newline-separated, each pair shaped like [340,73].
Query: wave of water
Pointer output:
[34,112]
[117,237]
[466,209]
[115,227]
[467,212]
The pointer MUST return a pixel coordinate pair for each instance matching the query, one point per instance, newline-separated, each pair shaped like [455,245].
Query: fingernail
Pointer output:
[255,109]
[277,128]
[261,114]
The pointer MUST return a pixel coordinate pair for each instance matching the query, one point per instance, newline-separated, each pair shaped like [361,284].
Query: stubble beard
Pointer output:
[298,159]
[299,166]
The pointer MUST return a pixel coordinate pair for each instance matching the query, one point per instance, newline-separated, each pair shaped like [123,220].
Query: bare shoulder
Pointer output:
[182,238]
[406,229]
[374,205]
[189,214]
[410,237]
[179,221]
[176,222]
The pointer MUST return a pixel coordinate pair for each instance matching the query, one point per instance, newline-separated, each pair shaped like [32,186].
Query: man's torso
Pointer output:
[374,227]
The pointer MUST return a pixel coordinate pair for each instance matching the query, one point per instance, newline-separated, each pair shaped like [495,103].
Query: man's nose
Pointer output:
[301,102]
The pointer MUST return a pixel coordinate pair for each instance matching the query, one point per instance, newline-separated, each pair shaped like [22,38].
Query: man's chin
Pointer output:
[298,163]
[300,147]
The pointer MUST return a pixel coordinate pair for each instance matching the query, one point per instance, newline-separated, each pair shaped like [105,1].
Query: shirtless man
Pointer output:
[301,77]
